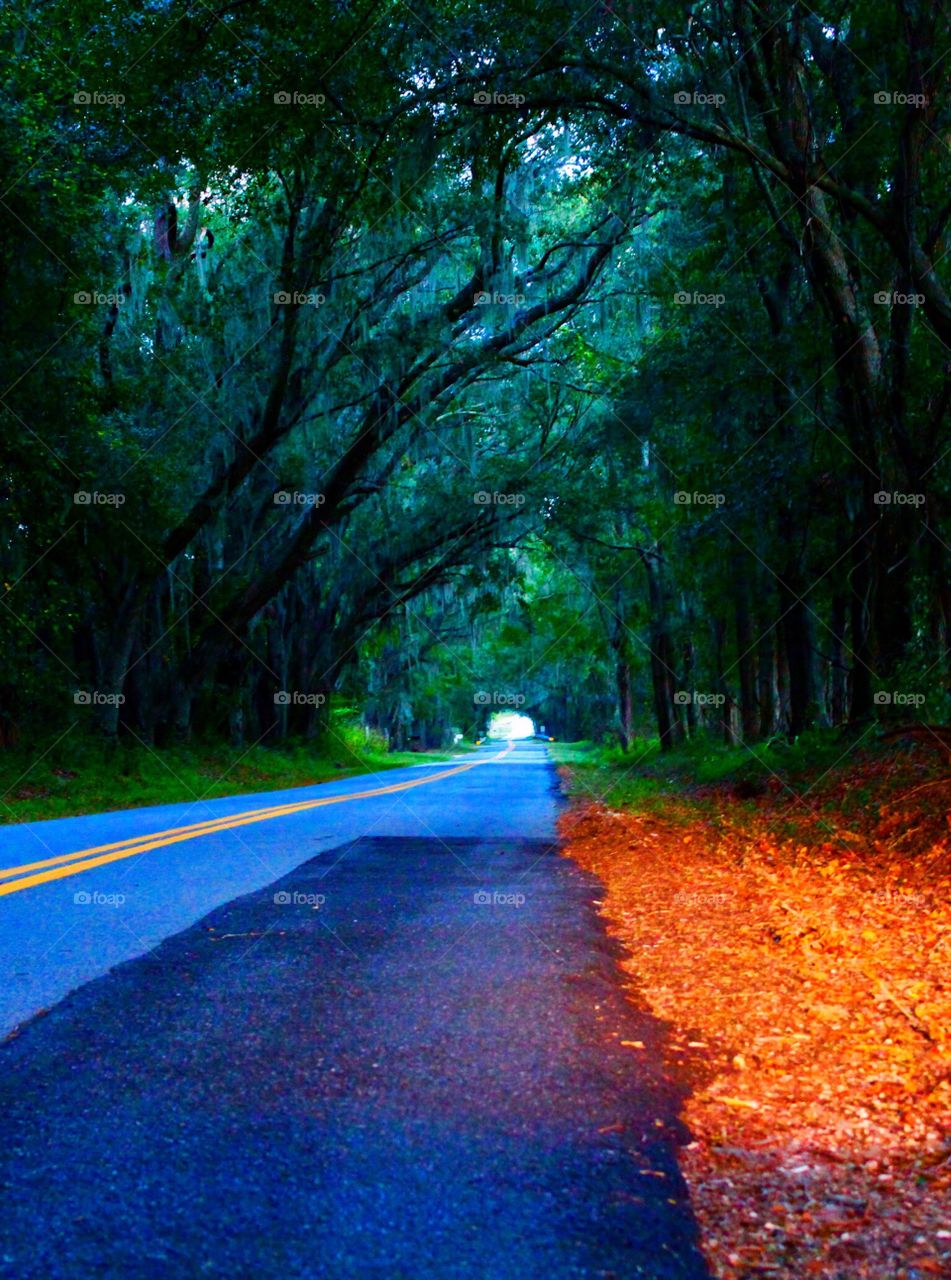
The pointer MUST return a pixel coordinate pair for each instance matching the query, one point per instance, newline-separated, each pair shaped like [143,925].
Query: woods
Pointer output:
[597,358]
[380,382]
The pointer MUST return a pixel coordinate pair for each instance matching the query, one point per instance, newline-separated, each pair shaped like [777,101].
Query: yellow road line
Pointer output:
[206,826]
[69,864]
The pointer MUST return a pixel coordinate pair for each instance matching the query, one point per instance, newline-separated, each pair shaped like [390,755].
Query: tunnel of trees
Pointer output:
[587,360]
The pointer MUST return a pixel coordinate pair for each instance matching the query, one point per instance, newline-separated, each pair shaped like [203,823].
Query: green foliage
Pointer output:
[387,374]
[80,774]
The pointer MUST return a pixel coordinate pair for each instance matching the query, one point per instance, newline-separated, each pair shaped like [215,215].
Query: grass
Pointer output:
[621,780]
[75,775]
[691,779]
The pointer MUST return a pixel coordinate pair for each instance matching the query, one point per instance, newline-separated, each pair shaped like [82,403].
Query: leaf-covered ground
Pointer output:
[798,941]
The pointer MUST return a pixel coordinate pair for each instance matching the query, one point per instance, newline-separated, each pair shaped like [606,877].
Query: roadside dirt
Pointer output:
[810,980]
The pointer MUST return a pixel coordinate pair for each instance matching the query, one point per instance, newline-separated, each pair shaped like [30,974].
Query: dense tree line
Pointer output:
[596,362]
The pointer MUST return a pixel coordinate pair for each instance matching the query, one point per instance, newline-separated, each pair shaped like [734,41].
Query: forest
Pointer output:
[372,371]
[430,360]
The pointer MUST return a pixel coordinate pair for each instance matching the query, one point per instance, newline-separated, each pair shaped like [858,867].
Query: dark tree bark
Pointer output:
[838,673]
[746,658]
[860,609]
[625,706]
[663,678]
[767,682]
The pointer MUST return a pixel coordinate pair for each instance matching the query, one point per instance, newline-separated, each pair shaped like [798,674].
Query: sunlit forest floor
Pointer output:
[75,775]
[790,919]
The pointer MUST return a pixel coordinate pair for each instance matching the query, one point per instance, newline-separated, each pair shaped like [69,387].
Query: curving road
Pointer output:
[371,1028]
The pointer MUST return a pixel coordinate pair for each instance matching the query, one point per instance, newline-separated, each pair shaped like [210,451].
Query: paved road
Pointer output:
[379,1035]
[82,919]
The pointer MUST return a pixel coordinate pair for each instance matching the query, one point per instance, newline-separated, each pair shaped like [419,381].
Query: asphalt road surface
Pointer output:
[372,1028]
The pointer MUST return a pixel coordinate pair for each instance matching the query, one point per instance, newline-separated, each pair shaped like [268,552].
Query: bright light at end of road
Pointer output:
[509,724]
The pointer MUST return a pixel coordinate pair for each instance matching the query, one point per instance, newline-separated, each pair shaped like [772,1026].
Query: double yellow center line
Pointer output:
[13,879]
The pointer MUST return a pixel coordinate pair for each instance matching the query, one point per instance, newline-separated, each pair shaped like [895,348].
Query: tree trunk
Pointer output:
[892,613]
[113,645]
[688,666]
[861,705]
[625,708]
[746,661]
[663,679]
[797,637]
[838,675]
[767,684]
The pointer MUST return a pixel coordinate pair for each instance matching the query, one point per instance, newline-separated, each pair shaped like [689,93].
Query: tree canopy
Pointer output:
[587,360]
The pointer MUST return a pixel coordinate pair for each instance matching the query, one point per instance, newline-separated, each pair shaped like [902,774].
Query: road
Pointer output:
[371,1028]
